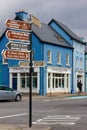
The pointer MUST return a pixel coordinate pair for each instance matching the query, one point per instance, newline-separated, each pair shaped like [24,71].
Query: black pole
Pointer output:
[30,87]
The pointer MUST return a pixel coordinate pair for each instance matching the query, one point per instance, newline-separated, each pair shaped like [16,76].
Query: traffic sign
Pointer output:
[10,54]
[22,36]
[19,25]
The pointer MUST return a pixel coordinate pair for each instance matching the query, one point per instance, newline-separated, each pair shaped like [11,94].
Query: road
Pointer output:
[59,113]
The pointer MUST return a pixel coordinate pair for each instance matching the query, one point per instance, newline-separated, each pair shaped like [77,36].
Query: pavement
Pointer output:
[23,127]
[36,127]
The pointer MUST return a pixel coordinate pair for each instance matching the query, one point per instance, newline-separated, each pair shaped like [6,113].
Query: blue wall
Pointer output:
[60,31]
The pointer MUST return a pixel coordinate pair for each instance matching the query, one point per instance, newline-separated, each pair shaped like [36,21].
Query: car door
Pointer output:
[10,94]
[2,93]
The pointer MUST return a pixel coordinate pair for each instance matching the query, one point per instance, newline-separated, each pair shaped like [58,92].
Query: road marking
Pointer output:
[10,116]
[76,97]
[58,119]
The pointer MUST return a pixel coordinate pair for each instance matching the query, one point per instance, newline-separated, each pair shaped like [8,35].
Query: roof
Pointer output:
[46,34]
[67,30]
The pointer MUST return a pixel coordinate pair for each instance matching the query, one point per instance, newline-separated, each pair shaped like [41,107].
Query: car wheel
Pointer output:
[18,98]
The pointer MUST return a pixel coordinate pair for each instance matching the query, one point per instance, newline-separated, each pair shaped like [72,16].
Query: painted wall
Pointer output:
[61,32]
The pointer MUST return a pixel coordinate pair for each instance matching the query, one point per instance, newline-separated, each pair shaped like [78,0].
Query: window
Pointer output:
[58,80]
[77,62]
[59,58]
[67,59]
[49,57]
[86,64]
[49,80]
[25,80]
[5,61]
[81,63]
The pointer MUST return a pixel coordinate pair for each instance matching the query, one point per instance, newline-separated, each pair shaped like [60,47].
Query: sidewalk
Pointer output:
[23,127]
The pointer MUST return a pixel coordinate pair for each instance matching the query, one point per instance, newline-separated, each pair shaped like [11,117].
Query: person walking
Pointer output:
[79,85]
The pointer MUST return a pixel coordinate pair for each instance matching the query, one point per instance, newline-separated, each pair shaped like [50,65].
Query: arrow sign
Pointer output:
[10,54]
[22,36]
[20,25]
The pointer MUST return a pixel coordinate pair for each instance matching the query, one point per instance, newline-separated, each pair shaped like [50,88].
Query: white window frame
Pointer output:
[77,62]
[67,59]
[80,62]
[59,58]
[49,56]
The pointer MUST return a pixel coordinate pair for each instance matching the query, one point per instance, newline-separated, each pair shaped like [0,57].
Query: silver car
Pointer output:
[7,93]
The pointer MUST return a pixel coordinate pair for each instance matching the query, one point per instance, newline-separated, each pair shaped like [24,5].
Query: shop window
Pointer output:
[25,80]
[49,80]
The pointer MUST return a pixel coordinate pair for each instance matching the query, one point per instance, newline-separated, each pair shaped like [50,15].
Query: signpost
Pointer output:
[22,36]
[19,25]
[18,55]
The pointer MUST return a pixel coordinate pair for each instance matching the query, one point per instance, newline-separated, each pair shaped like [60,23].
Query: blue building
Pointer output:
[56,46]
[78,52]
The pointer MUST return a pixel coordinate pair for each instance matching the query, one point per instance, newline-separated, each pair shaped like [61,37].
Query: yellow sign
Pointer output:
[39,63]
[35,20]
[24,64]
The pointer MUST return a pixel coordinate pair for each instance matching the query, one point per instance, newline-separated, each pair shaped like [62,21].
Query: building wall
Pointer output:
[61,32]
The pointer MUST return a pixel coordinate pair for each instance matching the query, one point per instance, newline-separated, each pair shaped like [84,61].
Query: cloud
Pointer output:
[70,12]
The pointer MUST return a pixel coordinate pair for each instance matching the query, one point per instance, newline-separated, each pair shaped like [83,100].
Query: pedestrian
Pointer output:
[79,85]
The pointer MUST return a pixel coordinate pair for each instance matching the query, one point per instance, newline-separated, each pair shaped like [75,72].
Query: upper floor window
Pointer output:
[59,58]
[49,57]
[67,59]
[77,62]
[86,64]
[81,63]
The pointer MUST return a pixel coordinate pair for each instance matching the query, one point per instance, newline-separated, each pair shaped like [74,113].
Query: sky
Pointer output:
[72,13]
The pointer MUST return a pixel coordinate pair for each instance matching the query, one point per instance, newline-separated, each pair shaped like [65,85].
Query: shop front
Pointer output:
[19,79]
[59,80]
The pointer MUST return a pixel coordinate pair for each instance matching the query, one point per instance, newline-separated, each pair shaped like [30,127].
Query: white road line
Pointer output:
[58,119]
[10,116]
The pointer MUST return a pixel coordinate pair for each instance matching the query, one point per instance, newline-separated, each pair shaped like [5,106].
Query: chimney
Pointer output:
[22,15]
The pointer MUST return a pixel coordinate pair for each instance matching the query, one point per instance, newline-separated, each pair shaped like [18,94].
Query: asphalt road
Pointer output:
[59,113]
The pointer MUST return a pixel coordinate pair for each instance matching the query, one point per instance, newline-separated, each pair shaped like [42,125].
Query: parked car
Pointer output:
[7,93]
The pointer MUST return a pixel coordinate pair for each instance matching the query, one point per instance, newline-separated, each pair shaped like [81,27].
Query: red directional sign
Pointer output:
[22,36]
[10,54]
[16,24]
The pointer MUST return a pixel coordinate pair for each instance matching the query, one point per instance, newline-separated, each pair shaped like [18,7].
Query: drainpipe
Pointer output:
[72,90]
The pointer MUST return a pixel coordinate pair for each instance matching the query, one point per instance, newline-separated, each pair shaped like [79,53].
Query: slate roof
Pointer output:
[67,30]
[46,34]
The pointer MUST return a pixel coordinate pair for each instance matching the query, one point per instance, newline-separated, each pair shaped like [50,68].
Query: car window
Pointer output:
[8,89]
[5,88]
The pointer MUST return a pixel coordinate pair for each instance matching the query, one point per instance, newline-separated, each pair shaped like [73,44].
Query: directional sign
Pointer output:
[22,36]
[18,46]
[19,25]
[10,54]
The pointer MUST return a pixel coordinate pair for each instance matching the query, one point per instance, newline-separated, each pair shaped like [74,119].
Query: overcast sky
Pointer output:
[72,13]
